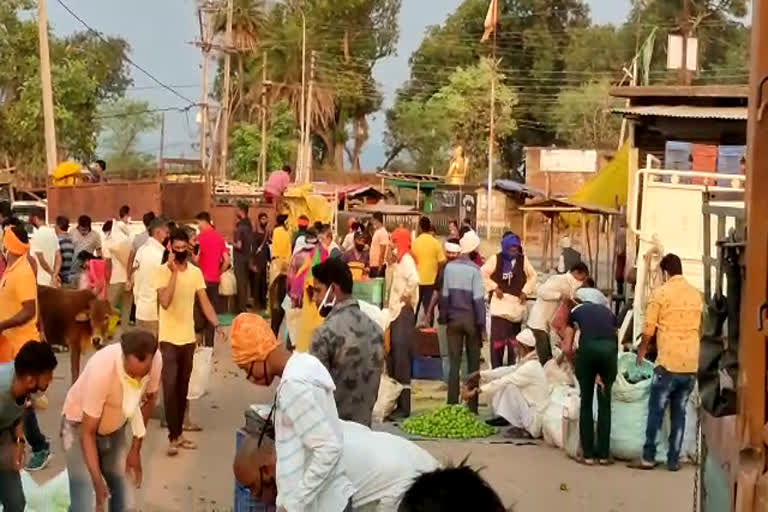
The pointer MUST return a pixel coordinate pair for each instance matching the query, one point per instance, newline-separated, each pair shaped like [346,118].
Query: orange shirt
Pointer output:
[17,286]
[674,314]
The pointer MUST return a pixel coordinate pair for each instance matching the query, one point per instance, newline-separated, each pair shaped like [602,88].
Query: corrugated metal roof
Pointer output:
[686,111]
[682,91]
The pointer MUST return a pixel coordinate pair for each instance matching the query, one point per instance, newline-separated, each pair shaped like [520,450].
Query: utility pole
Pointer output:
[263,156]
[685,26]
[491,138]
[51,157]
[203,20]
[225,107]
[307,147]
[302,107]
[162,139]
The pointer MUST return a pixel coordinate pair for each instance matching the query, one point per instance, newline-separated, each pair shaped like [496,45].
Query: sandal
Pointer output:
[585,462]
[186,444]
[192,427]
[605,462]
[642,464]
[173,449]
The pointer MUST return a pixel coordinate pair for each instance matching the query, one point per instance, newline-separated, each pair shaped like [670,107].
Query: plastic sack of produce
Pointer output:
[228,284]
[389,392]
[629,410]
[201,372]
[53,496]
[552,423]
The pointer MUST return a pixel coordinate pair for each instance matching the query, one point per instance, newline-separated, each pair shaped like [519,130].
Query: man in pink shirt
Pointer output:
[277,182]
[379,245]
[213,260]
[115,392]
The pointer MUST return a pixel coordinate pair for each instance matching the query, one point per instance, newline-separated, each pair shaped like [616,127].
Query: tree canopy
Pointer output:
[86,72]
[561,67]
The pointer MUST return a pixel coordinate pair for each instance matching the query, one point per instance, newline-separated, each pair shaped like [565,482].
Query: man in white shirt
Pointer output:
[115,250]
[44,248]
[548,297]
[123,221]
[380,466]
[519,393]
[149,258]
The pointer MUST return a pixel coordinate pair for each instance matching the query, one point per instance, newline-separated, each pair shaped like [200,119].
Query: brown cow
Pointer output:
[75,319]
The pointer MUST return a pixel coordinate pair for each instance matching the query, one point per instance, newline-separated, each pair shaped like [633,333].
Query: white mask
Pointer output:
[325,306]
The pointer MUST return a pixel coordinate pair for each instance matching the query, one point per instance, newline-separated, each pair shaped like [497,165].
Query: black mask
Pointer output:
[263,223]
[180,256]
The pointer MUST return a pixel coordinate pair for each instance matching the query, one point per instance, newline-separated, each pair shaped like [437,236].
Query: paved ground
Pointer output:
[529,478]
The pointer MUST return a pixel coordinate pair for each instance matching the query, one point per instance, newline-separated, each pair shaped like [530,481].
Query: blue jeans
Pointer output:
[35,438]
[11,492]
[673,389]
[112,450]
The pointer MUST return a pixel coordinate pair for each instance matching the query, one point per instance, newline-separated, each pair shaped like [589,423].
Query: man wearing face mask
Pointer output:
[348,342]
[178,284]
[29,374]
[260,257]
[358,258]
[115,392]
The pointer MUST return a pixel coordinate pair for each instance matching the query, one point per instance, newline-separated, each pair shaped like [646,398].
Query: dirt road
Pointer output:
[528,478]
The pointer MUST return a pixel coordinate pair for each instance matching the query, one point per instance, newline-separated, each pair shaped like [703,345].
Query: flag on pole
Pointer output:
[491,20]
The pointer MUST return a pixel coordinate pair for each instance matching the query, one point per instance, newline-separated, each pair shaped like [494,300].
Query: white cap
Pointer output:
[526,338]
[469,242]
[452,247]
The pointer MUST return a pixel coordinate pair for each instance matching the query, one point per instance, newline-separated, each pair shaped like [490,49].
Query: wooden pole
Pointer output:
[685,75]
[263,155]
[491,138]
[303,106]
[306,146]
[752,343]
[226,96]
[204,100]
[551,259]
[51,157]
[162,139]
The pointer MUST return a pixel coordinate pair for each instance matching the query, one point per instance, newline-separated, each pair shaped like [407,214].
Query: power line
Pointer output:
[126,57]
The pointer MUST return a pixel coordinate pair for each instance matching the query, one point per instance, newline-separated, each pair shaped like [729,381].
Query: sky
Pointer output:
[159,33]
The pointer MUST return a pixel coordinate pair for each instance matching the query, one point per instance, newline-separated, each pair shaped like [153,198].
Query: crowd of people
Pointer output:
[317,451]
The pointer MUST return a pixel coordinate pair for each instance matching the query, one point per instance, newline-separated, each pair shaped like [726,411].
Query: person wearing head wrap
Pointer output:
[463,311]
[519,394]
[18,295]
[594,359]
[358,257]
[509,277]
[18,324]
[303,226]
[308,432]
[303,322]
[403,300]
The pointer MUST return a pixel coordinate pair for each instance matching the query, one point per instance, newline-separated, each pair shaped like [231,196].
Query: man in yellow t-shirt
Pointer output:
[178,285]
[428,254]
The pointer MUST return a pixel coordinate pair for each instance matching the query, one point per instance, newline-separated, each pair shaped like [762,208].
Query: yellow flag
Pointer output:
[491,20]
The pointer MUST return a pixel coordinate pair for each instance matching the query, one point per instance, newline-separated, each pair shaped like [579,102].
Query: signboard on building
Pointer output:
[568,160]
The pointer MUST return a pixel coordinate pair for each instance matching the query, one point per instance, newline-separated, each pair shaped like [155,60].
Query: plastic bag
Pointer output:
[629,410]
[552,422]
[389,392]
[375,313]
[53,496]
[228,284]
[201,373]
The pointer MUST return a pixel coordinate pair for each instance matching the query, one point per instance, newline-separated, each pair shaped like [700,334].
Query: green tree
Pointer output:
[123,123]
[583,119]
[457,114]
[348,38]
[246,145]
[86,71]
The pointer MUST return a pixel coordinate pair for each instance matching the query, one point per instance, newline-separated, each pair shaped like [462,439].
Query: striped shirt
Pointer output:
[67,248]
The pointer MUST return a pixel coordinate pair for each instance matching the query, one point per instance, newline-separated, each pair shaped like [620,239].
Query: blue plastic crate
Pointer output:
[427,368]
[244,500]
